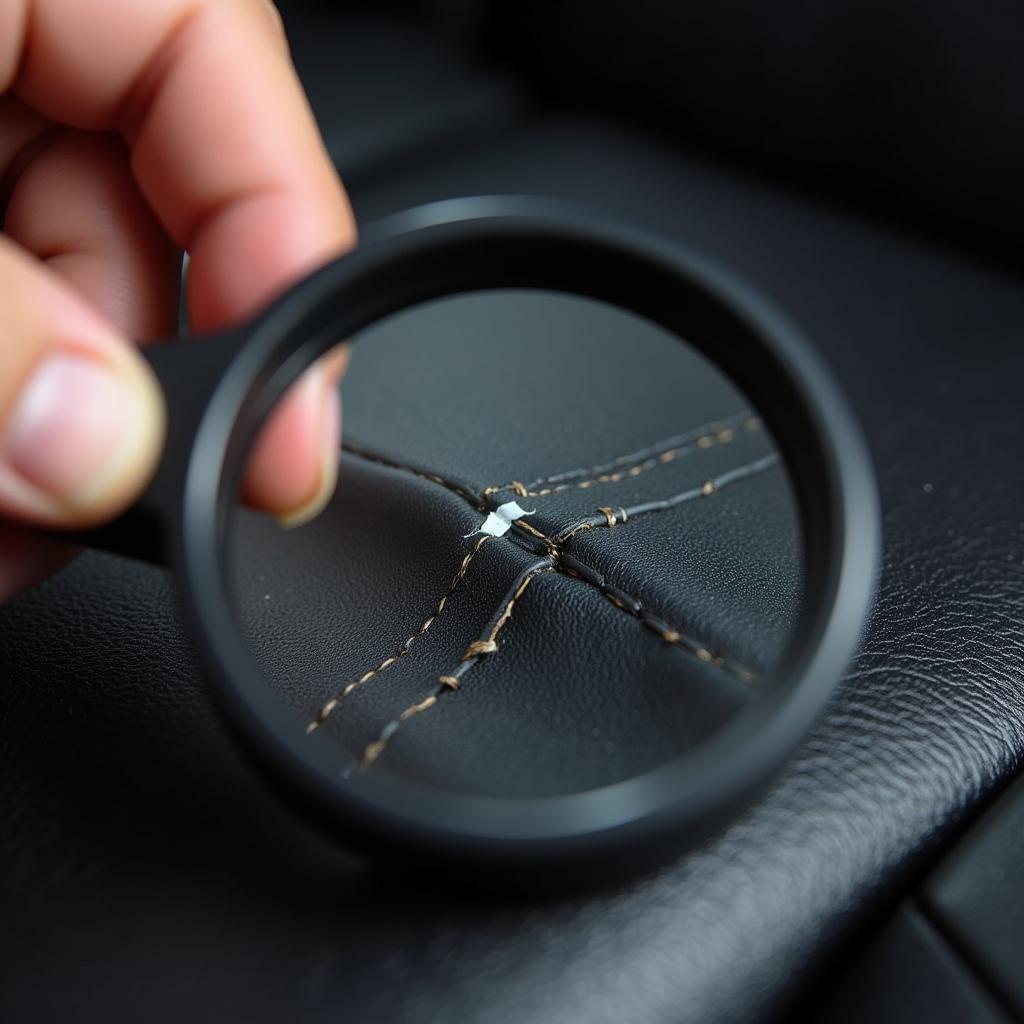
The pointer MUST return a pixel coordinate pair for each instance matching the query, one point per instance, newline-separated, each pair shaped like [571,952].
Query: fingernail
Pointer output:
[330,436]
[335,363]
[79,429]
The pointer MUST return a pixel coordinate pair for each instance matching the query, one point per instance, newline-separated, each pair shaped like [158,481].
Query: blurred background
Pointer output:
[909,112]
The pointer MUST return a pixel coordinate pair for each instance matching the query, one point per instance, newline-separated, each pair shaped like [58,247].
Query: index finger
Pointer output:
[224,145]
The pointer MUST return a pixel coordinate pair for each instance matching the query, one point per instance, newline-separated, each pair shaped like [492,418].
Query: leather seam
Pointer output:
[635,464]
[484,646]
[559,562]
[328,707]
[615,516]
[669,634]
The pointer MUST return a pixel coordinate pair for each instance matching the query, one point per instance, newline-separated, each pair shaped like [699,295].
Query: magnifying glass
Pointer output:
[356,747]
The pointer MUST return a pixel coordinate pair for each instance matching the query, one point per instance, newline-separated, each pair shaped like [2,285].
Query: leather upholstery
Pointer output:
[149,873]
[579,693]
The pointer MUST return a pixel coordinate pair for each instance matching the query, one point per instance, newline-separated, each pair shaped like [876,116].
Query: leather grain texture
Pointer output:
[147,872]
[580,691]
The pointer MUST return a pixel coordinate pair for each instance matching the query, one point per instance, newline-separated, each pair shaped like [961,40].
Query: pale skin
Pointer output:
[131,130]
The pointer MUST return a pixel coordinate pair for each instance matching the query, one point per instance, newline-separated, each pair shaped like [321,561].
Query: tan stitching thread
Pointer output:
[714,436]
[444,483]
[554,547]
[326,710]
[534,532]
[488,646]
[478,647]
[705,490]
[677,638]
[578,528]
[372,752]
[383,460]
[507,614]
[667,633]
[375,749]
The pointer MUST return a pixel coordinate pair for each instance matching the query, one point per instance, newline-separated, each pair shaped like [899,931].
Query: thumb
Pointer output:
[81,415]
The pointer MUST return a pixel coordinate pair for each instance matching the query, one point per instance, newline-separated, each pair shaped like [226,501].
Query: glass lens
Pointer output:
[562,551]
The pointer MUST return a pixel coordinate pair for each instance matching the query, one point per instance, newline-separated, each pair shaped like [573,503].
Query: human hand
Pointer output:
[129,132]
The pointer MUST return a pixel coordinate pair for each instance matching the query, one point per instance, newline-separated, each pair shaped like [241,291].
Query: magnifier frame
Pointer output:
[469,245]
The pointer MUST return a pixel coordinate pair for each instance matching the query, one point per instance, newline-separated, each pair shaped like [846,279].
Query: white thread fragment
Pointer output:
[499,521]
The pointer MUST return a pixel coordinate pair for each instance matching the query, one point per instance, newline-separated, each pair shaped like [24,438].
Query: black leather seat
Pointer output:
[150,874]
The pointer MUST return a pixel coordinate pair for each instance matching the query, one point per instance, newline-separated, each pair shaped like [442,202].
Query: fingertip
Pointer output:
[293,467]
[328,475]
[84,436]
[82,417]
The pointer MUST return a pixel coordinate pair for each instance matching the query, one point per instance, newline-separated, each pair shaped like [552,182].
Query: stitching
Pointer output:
[609,517]
[459,487]
[606,517]
[667,450]
[552,547]
[450,682]
[487,644]
[570,566]
[328,707]
[633,606]
[556,560]
[636,463]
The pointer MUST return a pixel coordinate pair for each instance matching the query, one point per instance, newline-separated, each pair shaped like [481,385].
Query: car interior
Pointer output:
[857,164]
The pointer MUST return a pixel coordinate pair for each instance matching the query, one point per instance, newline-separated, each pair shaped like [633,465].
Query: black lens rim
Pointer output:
[464,245]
